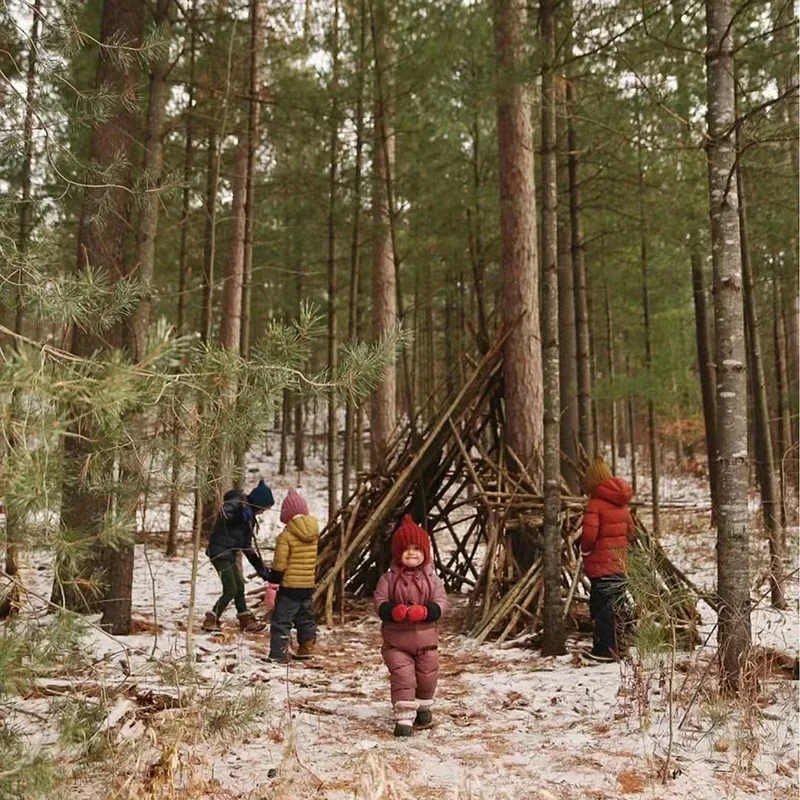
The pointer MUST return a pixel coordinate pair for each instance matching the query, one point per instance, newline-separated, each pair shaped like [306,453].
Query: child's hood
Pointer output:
[615,491]
[305,528]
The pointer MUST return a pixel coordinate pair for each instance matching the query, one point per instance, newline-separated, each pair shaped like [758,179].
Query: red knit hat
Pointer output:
[409,533]
[293,504]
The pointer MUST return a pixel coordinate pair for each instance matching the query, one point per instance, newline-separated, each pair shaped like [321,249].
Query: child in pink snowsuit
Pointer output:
[410,599]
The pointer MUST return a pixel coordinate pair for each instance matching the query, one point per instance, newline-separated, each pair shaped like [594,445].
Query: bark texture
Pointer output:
[383,411]
[733,542]
[522,353]
[582,334]
[553,640]
[567,343]
[103,229]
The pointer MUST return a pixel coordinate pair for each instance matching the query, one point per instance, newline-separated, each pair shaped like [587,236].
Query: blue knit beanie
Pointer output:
[261,496]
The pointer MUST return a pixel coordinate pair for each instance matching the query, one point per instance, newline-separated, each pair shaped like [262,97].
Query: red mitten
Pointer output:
[399,613]
[270,594]
[417,614]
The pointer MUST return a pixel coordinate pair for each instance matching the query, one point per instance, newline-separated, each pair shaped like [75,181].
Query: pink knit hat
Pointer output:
[293,504]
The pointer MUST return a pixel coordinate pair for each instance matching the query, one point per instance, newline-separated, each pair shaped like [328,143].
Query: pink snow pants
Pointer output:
[412,656]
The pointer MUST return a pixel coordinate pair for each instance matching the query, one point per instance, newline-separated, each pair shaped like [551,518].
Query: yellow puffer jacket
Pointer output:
[296,553]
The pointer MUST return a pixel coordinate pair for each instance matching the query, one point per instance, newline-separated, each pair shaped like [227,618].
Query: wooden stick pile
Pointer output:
[483,509]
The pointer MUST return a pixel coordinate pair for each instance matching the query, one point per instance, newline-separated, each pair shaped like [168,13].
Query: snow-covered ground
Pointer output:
[510,724]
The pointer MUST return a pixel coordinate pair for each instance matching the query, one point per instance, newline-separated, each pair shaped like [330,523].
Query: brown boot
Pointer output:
[211,623]
[306,649]
[249,624]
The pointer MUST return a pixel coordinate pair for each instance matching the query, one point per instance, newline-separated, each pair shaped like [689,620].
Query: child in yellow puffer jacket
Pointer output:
[291,581]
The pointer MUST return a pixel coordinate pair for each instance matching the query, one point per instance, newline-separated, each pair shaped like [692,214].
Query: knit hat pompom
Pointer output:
[409,533]
[598,472]
[293,504]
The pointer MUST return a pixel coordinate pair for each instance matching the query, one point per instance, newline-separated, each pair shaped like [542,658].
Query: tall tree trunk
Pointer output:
[230,329]
[792,327]
[475,220]
[383,412]
[184,271]
[705,368]
[296,401]
[253,130]
[350,441]
[522,356]
[784,429]
[765,462]
[567,342]
[611,376]
[103,228]
[333,428]
[553,642]
[14,520]
[285,418]
[583,355]
[733,543]
[300,432]
[147,229]
[648,352]
[210,236]
[117,604]
[631,422]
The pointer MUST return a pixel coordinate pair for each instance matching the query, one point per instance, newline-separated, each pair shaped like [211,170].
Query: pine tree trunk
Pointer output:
[476,251]
[593,368]
[553,642]
[14,521]
[230,329]
[300,432]
[765,462]
[648,353]
[705,368]
[583,355]
[611,376]
[383,412]
[333,428]
[147,229]
[102,234]
[631,423]
[522,356]
[733,545]
[253,130]
[183,278]
[791,324]
[210,236]
[285,418]
[350,442]
[567,342]
[119,571]
[783,464]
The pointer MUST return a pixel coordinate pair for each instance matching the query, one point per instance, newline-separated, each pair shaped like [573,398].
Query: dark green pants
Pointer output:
[232,586]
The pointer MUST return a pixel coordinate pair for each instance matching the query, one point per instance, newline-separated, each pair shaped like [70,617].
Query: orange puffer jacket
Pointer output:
[607,529]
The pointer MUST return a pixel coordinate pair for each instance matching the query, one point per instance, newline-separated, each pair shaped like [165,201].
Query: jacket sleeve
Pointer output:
[280,559]
[382,604]
[255,559]
[591,525]
[437,608]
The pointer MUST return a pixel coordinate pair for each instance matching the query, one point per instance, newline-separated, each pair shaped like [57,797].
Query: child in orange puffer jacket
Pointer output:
[607,531]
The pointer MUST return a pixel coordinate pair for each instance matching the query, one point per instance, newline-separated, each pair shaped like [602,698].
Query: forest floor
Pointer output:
[509,724]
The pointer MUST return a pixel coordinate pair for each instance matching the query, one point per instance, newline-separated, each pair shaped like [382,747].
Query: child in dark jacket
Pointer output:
[291,581]
[410,599]
[233,534]
[607,531]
